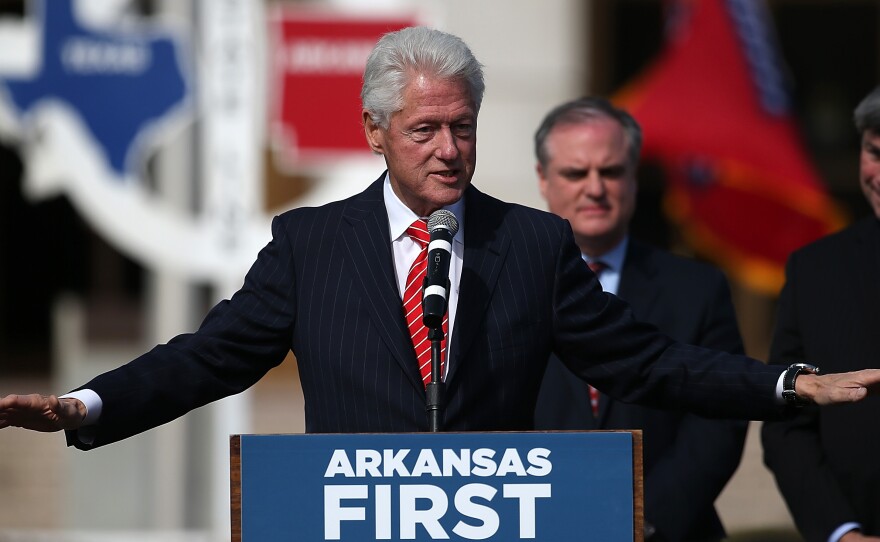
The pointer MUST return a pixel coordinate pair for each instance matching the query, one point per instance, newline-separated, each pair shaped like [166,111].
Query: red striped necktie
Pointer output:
[412,304]
[596,266]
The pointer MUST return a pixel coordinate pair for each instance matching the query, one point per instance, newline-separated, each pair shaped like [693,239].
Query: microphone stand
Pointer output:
[435,402]
[442,227]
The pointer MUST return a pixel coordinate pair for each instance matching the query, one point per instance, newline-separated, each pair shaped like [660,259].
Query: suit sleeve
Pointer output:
[598,339]
[792,447]
[237,343]
[683,485]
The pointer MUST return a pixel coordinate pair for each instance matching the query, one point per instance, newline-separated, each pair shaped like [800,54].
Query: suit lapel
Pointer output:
[368,244]
[485,249]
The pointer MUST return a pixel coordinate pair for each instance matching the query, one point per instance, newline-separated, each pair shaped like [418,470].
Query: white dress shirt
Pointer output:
[609,278]
[405,250]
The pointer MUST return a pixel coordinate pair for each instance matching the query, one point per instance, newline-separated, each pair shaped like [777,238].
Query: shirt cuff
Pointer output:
[779,398]
[843,529]
[91,400]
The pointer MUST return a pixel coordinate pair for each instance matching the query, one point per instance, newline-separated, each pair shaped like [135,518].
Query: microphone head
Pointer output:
[443,219]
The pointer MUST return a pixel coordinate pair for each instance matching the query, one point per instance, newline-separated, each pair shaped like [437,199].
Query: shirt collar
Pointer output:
[401,217]
[613,259]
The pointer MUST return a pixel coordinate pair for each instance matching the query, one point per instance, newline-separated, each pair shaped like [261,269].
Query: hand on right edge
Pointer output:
[41,412]
[856,536]
[835,388]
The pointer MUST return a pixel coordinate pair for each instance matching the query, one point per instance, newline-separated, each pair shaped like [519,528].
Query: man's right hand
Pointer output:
[41,412]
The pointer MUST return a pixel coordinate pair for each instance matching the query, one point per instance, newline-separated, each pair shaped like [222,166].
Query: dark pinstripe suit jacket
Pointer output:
[324,288]
[687,459]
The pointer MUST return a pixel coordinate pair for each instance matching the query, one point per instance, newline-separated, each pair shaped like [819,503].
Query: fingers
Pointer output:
[870,378]
[853,386]
[53,405]
[836,387]
[15,402]
[37,412]
[855,394]
[71,413]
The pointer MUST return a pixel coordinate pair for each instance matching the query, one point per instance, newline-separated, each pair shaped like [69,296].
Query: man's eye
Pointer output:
[463,129]
[613,173]
[422,133]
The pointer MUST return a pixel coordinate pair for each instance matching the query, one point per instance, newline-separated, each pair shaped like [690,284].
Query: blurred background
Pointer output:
[146,144]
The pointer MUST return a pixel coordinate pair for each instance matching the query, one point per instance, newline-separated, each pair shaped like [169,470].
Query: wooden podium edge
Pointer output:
[235,485]
[638,487]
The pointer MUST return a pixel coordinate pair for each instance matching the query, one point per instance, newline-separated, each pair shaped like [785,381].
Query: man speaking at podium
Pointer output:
[329,287]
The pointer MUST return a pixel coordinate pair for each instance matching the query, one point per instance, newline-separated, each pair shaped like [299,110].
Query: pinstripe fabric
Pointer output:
[324,288]
[596,266]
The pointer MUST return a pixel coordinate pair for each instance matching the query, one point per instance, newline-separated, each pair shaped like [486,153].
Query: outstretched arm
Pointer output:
[45,413]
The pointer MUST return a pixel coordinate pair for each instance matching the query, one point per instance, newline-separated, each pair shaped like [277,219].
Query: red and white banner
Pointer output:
[317,64]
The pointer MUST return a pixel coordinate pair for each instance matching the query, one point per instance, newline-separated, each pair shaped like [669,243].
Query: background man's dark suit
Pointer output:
[827,461]
[687,459]
[324,288]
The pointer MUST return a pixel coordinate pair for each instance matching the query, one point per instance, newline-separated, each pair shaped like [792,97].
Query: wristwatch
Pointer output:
[791,397]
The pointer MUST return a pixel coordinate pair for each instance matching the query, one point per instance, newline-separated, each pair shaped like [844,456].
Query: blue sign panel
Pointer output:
[551,487]
[119,83]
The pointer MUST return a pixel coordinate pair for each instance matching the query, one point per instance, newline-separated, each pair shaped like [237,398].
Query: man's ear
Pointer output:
[375,135]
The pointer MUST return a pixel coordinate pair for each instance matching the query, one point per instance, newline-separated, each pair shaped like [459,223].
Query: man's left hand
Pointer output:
[838,387]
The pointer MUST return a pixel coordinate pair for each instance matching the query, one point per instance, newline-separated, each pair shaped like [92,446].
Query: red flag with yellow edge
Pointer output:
[716,117]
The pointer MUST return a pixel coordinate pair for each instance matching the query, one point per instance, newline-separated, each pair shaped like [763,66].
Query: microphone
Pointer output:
[442,226]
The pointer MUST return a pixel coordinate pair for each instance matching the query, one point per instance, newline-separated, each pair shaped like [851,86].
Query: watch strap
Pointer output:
[788,382]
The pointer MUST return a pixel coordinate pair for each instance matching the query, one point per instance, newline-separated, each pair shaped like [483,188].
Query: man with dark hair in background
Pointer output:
[588,156]
[827,461]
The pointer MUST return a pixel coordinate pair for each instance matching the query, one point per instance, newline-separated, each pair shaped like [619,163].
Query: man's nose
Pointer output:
[447,144]
[594,186]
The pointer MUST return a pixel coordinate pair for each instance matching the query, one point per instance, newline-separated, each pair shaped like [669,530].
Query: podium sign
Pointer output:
[544,486]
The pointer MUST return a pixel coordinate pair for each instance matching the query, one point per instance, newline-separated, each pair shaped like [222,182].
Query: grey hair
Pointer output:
[399,55]
[584,110]
[867,114]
